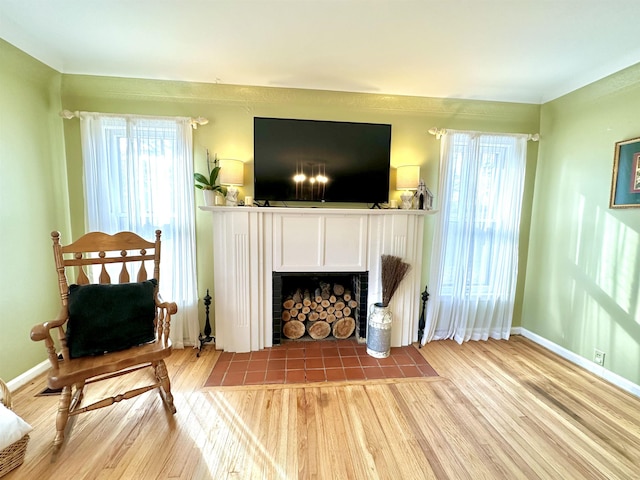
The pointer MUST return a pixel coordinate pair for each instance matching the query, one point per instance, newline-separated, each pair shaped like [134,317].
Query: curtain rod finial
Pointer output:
[68,114]
[198,121]
[438,132]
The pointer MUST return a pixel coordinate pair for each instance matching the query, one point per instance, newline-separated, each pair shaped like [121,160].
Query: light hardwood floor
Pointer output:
[498,410]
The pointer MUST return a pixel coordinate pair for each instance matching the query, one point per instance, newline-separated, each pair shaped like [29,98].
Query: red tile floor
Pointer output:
[320,361]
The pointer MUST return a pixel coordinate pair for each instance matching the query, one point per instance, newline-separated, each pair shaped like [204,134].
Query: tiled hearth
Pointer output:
[321,361]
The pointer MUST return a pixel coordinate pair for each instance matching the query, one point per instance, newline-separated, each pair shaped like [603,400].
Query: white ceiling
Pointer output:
[527,51]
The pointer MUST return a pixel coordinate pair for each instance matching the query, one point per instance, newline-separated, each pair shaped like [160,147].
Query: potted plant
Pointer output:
[208,185]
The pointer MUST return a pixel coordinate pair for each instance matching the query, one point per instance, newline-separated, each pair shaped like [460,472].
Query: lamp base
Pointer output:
[407,199]
[232,197]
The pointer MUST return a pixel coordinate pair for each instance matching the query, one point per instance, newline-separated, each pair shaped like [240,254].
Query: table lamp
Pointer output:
[231,175]
[407,179]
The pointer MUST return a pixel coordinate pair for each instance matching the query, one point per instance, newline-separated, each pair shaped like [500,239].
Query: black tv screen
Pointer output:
[321,161]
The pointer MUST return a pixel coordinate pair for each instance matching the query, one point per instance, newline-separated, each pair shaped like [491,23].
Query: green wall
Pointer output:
[43,151]
[229,133]
[581,260]
[583,278]
[33,202]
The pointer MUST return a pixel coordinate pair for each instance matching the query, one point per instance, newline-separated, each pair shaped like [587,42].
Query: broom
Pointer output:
[393,271]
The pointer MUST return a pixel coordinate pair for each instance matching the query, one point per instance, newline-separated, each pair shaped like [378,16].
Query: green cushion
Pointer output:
[107,318]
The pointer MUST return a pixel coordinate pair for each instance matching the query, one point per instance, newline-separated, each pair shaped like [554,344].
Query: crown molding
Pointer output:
[620,82]
[76,87]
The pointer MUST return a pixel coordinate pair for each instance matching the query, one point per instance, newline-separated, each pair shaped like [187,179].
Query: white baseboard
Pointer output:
[27,376]
[576,359]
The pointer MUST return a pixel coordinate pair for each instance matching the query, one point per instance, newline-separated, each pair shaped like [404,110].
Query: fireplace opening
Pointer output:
[319,306]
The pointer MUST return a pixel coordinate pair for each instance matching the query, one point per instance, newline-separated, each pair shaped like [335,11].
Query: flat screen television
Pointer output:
[321,161]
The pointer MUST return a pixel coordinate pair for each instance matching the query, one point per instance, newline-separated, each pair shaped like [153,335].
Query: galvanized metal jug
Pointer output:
[379,331]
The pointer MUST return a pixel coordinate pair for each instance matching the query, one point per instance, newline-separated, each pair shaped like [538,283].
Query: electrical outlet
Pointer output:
[598,357]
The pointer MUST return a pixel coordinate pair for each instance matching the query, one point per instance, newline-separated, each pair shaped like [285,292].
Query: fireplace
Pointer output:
[285,284]
[250,244]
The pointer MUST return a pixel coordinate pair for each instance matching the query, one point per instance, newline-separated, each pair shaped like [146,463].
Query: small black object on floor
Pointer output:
[206,338]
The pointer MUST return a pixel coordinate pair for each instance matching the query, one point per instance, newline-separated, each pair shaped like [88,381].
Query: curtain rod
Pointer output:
[195,122]
[438,132]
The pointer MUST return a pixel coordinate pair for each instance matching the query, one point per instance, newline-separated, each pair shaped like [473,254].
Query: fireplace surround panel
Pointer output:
[250,244]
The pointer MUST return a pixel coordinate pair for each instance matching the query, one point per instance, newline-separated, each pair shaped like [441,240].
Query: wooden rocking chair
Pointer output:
[105,330]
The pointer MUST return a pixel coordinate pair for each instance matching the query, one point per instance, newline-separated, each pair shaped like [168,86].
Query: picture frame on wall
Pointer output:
[625,184]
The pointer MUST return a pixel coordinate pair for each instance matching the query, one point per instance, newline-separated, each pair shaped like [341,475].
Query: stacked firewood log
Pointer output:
[328,310]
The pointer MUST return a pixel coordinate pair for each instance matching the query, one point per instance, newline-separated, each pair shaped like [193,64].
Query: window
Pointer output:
[475,254]
[138,176]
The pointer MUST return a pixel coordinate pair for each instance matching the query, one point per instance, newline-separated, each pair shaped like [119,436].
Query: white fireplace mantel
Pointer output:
[250,243]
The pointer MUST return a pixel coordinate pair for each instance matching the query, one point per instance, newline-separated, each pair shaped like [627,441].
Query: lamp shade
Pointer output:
[408,177]
[231,172]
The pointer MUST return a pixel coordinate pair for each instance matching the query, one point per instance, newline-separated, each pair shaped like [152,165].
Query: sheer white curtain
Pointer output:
[474,264]
[138,176]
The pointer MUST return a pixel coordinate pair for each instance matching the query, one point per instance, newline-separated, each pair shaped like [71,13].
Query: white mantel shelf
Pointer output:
[250,243]
[324,210]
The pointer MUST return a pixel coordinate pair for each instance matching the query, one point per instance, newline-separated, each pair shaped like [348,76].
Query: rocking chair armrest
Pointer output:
[170,307]
[42,331]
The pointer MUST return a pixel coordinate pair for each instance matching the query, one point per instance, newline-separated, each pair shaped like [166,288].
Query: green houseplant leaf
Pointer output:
[204,183]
